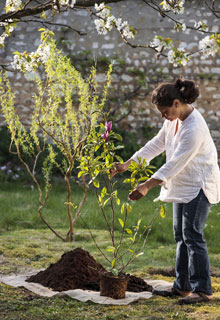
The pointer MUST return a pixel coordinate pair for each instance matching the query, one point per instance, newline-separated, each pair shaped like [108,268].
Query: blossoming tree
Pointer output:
[66,108]
[27,11]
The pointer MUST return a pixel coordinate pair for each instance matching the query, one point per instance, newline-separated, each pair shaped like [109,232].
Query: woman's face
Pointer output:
[170,113]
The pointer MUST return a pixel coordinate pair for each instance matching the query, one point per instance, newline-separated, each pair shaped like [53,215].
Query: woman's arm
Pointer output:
[142,189]
[189,145]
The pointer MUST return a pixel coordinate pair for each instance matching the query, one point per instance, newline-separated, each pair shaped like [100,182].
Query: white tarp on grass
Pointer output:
[78,294]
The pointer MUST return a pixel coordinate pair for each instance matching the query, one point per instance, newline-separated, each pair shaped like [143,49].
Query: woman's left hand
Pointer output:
[140,191]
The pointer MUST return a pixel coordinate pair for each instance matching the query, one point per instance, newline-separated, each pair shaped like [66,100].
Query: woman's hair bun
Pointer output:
[189,91]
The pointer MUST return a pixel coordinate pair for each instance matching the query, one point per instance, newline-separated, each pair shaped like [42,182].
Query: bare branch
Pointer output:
[26,12]
[212,9]
[5,67]
[44,23]
[164,14]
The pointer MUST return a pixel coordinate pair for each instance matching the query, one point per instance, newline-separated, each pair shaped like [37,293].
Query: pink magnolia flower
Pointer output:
[108,126]
[105,136]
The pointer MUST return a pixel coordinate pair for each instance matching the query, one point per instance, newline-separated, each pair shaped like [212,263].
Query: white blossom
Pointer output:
[8,30]
[178,56]
[3,36]
[111,21]
[100,26]
[124,28]
[6,23]
[184,27]
[21,63]
[43,53]
[174,5]
[201,25]
[69,3]
[29,62]
[160,43]
[102,11]
[13,5]
[107,21]
[209,46]
[127,32]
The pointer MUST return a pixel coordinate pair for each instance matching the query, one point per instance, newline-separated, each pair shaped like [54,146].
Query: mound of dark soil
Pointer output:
[77,269]
[136,284]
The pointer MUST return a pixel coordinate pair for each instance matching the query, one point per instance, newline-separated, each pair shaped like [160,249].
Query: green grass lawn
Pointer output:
[26,244]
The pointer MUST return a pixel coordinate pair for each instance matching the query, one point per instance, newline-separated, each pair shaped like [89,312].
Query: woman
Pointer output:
[190,179]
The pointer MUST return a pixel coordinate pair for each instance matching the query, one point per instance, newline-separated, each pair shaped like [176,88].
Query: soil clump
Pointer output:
[77,269]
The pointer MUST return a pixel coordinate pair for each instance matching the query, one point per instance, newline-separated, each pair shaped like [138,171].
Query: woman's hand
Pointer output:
[140,191]
[119,167]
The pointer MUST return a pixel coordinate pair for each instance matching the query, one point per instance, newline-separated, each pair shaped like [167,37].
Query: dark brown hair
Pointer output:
[186,91]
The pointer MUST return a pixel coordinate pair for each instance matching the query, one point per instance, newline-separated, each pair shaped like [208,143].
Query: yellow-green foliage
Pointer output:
[65,111]
[66,108]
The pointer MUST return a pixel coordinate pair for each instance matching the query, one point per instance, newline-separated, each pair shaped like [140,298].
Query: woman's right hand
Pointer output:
[119,167]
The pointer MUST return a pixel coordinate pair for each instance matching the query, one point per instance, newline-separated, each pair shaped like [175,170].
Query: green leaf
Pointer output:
[118,148]
[70,204]
[139,254]
[119,158]
[129,231]
[80,174]
[162,211]
[118,137]
[110,249]
[113,262]
[96,183]
[143,179]
[132,251]
[115,272]
[127,181]
[129,208]
[97,147]
[106,201]
[121,222]
[139,222]
[43,15]
[104,191]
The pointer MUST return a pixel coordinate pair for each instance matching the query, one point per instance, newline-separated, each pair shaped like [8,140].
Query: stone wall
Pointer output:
[136,64]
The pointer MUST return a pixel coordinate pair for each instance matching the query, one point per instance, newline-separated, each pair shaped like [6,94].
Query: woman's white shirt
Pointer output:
[191,160]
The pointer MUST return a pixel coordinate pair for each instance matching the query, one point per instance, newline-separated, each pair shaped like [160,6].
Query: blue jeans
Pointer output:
[192,261]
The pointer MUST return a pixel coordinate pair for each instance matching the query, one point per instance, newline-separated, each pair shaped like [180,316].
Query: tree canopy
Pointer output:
[44,12]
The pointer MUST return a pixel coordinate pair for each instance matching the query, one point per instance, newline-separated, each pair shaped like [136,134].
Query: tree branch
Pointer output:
[26,12]
[213,10]
[55,24]
[30,11]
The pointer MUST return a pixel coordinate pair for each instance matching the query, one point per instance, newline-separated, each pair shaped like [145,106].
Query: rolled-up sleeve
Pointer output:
[189,144]
[152,148]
